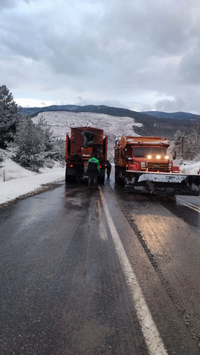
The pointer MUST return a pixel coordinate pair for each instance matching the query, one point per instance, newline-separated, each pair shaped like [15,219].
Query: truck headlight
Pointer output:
[149,157]
[158,156]
[143,164]
[166,157]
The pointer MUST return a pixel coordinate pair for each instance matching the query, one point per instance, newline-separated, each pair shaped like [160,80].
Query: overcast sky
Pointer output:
[139,54]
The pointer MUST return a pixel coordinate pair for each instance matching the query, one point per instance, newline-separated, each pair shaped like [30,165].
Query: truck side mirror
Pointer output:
[129,159]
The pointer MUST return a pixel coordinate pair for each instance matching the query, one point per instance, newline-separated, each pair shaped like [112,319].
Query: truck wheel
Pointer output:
[73,177]
[69,178]
[66,176]
[118,180]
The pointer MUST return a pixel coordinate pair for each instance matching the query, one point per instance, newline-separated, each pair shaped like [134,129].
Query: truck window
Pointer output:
[142,152]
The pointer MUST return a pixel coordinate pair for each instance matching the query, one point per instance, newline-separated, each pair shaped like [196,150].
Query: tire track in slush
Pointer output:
[151,335]
[102,230]
[181,311]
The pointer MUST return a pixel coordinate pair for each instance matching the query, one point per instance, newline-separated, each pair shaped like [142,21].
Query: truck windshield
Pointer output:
[142,152]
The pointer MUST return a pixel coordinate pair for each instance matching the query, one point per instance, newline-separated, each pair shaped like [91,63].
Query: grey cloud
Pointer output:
[162,27]
[6,4]
[103,51]
[112,103]
[170,105]
[189,69]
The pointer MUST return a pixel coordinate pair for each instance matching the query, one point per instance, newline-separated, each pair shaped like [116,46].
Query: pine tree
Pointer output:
[47,132]
[30,144]
[58,152]
[9,114]
[34,144]
[1,159]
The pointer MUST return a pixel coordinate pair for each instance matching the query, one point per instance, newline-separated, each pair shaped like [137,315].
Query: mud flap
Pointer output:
[162,183]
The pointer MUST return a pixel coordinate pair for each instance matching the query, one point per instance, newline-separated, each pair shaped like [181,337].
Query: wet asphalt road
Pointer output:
[64,287]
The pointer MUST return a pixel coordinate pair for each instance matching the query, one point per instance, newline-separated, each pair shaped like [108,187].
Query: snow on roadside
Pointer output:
[188,166]
[20,181]
[13,170]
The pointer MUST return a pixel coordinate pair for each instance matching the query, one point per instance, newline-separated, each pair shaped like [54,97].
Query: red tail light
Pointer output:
[71,166]
[100,166]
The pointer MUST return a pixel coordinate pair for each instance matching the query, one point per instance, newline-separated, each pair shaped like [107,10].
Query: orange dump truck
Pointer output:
[143,166]
[80,147]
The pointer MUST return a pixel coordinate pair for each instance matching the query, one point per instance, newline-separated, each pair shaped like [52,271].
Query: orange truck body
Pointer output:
[143,166]
[143,154]
[80,147]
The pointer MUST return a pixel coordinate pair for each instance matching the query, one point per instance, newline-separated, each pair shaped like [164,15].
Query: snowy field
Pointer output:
[19,181]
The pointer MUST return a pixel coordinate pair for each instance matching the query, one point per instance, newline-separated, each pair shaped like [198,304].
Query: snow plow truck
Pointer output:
[80,147]
[143,166]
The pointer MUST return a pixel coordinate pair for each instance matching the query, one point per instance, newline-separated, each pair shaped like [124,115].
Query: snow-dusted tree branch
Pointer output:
[186,146]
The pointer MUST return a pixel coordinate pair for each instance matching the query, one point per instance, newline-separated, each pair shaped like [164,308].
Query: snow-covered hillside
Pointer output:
[113,126]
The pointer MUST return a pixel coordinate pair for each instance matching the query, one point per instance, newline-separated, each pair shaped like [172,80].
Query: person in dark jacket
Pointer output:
[108,167]
[93,170]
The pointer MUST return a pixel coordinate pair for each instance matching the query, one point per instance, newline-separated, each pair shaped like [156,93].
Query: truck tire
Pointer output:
[66,176]
[69,178]
[118,180]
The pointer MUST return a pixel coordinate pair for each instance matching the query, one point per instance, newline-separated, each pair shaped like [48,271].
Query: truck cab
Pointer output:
[145,158]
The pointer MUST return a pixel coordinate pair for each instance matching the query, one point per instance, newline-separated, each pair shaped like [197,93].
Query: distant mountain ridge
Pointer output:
[114,111]
[154,123]
[173,115]
[35,110]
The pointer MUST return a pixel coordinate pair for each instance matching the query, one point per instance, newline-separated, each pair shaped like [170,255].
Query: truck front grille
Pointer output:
[157,167]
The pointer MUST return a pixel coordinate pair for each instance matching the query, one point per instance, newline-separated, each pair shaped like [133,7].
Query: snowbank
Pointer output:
[19,181]
[188,166]
[11,170]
